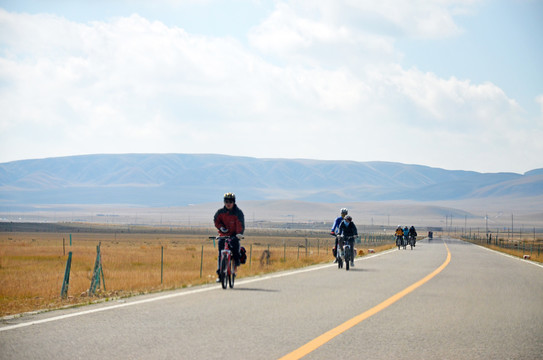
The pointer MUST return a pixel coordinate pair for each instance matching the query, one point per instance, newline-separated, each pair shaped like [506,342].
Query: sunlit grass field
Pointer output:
[529,249]
[32,264]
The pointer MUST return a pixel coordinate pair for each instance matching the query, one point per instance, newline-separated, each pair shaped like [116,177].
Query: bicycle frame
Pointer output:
[344,251]
[412,241]
[227,267]
[399,241]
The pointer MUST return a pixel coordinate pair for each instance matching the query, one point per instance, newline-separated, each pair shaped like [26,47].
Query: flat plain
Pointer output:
[144,260]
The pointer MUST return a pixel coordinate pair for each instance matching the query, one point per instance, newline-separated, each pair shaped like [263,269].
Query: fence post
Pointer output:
[102,272]
[95,281]
[162,264]
[66,282]
[201,261]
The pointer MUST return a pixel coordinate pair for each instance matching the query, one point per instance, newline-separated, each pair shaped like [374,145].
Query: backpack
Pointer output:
[242,255]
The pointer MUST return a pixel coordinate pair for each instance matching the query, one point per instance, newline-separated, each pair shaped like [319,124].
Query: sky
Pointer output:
[453,84]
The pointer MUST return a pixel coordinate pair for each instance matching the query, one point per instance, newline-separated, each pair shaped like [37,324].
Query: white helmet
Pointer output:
[344,211]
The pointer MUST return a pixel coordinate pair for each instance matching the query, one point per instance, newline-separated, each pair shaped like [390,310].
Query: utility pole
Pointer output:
[512,229]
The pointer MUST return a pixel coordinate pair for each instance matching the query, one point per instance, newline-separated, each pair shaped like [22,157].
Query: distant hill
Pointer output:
[158,180]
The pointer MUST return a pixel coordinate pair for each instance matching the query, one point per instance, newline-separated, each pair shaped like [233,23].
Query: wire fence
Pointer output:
[531,248]
[36,272]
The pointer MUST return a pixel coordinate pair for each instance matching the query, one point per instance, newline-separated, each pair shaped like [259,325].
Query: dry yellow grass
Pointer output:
[518,246]
[534,256]
[32,265]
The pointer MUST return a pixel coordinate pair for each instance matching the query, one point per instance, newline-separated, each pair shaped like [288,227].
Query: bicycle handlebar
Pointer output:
[223,237]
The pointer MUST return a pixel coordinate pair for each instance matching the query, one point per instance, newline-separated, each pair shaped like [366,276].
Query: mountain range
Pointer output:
[162,180]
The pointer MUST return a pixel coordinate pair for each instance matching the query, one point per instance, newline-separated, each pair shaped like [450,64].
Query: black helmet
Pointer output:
[348,218]
[230,196]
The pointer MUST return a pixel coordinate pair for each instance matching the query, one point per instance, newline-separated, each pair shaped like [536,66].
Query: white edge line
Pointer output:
[178,294]
[510,256]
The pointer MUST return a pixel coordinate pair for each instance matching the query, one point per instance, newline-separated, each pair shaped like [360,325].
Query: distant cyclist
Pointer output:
[413,234]
[406,234]
[348,229]
[230,221]
[335,229]
[399,236]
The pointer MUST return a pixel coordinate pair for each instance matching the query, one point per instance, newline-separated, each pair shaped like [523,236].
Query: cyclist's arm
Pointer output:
[241,219]
[217,220]
[336,224]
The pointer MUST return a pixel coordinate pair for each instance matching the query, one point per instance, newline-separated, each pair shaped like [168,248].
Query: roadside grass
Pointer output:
[518,252]
[32,265]
[530,249]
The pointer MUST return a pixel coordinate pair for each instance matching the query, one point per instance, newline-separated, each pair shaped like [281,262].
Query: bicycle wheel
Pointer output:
[347,259]
[223,273]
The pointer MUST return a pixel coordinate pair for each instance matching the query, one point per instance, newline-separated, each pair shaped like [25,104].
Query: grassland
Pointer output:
[143,260]
[531,249]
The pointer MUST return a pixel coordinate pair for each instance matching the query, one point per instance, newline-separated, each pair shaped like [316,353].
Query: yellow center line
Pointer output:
[329,335]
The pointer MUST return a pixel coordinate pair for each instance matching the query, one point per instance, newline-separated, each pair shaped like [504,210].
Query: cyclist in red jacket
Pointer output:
[230,221]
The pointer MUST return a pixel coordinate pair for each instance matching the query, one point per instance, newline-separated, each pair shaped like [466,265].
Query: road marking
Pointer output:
[329,335]
[176,294]
[510,256]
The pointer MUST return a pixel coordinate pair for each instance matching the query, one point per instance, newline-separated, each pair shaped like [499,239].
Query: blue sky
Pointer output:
[455,84]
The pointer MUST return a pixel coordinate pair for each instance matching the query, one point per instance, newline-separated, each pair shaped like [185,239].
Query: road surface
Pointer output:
[446,299]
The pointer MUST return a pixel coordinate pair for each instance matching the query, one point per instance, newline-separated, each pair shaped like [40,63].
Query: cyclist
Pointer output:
[406,235]
[335,229]
[347,228]
[399,235]
[413,233]
[230,221]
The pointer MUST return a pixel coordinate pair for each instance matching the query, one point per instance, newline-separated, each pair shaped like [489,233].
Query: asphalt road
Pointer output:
[475,304]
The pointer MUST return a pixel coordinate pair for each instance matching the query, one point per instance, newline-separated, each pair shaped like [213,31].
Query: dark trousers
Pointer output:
[234,247]
[351,242]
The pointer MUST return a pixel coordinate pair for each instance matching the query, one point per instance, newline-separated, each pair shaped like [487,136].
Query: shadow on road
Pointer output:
[357,269]
[254,289]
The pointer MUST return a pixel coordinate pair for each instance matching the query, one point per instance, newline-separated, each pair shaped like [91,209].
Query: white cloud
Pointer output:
[301,35]
[317,80]
[451,103]
[295,26]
